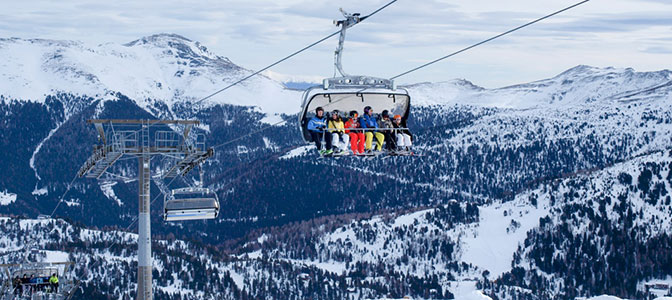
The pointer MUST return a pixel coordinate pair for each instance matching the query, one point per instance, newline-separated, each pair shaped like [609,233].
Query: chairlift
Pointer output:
[191,203]
[346,98]
[34,281]
[352,93]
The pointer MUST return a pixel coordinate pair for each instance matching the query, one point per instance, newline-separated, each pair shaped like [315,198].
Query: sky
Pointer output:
[256,33]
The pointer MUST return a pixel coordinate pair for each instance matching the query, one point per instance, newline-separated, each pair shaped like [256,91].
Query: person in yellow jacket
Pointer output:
[339,138]
[53,281]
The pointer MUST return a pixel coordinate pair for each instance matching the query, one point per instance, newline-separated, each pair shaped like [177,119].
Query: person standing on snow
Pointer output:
[317,127]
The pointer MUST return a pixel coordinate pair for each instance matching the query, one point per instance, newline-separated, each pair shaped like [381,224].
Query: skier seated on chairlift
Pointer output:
[386,127]
[339,139]
[25,284]
[53,282]
[356,136]
[403,136]
[33,283]
[369,122]
[38,283]
[317,127]
[17,285]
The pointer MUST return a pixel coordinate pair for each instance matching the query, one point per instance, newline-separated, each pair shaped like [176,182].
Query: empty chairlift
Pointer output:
[190,204]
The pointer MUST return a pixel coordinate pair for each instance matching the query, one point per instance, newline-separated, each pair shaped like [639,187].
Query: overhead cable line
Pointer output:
[60,200]
[397,76]
[63,196]
[488,40]
[135,219]
[290,56]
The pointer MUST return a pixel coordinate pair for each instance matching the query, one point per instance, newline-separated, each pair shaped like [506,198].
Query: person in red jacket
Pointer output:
[357,138]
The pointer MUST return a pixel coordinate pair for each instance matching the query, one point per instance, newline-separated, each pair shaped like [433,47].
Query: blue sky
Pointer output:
[619,33]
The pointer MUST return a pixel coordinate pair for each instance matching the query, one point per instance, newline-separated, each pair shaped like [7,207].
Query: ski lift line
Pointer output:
[264,69]
[135,219]
[268,158]
[55,208]
[323,39]
[63,196]
[250,134]
[377,10]
[525,142]
[488,40]
[290,56]
[270,126]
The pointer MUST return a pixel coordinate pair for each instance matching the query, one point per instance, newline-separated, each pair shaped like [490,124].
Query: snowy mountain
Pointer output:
[165,67]
[534,191]
[580,85]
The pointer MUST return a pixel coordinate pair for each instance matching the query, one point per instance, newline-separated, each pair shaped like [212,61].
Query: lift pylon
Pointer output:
[115,143]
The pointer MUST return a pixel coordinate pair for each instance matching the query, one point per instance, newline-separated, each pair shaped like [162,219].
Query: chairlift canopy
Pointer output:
[353,94]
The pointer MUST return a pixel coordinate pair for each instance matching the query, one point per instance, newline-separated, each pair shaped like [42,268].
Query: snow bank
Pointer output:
[296,152]
[56,256]
[106,188]
[491,243]
[7,198]
[605,297]
[466,290]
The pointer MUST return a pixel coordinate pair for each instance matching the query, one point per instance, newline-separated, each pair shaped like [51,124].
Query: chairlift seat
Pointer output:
[191,204]
[348,94]
[39,274]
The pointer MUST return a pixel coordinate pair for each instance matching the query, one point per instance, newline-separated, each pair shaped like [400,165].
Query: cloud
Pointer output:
[658,50]
[256,33]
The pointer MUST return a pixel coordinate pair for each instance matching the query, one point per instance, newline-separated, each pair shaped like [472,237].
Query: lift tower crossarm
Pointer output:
[140,122]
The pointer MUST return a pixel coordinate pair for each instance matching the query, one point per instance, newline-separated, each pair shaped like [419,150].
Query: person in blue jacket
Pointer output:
[317,127]
[370,122]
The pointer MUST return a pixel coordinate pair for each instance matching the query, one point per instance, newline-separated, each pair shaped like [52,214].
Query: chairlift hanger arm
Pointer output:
[349,21]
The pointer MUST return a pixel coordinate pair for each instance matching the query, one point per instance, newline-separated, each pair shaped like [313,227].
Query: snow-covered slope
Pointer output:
[583,101]
[163,67]
[7,198]
[455,243]
[578,86]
